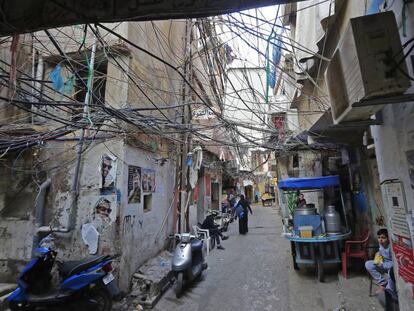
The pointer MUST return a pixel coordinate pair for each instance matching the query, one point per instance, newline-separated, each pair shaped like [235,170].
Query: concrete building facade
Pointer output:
[125,199]
[374,151]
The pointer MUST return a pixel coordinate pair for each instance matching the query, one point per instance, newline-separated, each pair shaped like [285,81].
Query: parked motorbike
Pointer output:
[84,284]
[222,220]
[188,262]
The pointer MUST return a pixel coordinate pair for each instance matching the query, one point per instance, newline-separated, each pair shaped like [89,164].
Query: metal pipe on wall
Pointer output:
[40,210]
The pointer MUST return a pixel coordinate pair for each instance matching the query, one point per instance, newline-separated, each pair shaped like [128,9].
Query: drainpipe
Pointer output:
[40,211]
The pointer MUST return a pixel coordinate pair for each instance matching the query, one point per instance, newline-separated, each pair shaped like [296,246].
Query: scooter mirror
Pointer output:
[48,242]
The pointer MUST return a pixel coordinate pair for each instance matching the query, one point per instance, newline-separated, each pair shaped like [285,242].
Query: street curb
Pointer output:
[162,286]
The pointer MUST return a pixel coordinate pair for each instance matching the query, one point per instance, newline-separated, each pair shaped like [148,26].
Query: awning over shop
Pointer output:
[301,142]
[309,182]
[341,133]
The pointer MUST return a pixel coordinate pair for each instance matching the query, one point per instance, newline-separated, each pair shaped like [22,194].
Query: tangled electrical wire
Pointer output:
[152,74]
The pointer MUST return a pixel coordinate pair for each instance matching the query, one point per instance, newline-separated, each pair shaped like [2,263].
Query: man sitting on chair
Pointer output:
[214,231]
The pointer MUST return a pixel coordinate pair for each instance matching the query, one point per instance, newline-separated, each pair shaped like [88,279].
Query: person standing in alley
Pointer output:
[242,209]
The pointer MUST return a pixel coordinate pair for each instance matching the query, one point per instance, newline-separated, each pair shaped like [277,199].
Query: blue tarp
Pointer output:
[308,182]
[276,56]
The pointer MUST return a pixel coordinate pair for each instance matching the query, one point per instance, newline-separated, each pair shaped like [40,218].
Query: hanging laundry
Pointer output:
[374,6]
[56,77]
[69,85]
[276,55]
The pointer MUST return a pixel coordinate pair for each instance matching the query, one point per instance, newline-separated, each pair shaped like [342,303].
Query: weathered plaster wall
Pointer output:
[141,232]
[70,38]
[17,198]
[18,230]
[282,167]
[22,51]
[154,83]
[201,199]
[392,140]
[310,105]
[310,164]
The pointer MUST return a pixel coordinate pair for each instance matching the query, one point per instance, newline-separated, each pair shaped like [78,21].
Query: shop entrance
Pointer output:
[215,196]
[248,191]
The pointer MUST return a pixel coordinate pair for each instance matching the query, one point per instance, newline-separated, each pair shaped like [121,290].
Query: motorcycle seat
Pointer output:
[69,268]
[196,244]
[50,297]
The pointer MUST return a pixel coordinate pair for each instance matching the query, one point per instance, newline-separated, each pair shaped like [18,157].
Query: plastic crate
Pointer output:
[305,231]
[307,220]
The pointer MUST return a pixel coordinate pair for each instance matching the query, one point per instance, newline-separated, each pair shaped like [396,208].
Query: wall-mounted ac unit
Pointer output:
[362,67]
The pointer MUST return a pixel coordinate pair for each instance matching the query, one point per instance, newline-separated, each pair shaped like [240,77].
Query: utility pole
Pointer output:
[79,148]
[186,118]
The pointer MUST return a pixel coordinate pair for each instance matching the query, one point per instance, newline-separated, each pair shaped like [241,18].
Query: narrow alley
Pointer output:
[255,272]
[132,132]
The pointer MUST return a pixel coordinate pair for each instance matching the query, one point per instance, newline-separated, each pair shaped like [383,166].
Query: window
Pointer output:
[99,82]
[147,202]
[295,160]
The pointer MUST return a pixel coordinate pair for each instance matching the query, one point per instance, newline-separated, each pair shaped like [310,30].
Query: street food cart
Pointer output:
[267,199]
[316,234]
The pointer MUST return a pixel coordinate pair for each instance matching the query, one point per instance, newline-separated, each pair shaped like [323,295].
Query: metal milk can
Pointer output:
[332,220]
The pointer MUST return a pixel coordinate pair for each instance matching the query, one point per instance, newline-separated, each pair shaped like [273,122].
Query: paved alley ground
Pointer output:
[255,272]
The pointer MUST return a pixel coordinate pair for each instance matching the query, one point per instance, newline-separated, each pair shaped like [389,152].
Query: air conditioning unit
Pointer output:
[362,67]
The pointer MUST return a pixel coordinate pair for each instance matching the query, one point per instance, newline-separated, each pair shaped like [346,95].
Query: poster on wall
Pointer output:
[397,209]
[104,208]
[134,184]
[107,170]
[401,237]
[148,180]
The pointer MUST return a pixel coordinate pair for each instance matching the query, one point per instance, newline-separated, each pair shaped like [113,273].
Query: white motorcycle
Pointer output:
[188,262]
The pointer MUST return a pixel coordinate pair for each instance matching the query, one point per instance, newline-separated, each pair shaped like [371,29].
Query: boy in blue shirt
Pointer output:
[382,263]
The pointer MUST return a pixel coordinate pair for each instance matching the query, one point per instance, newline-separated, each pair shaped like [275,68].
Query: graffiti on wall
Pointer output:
[107,170]
[134,184]
[128,224]
[148,180]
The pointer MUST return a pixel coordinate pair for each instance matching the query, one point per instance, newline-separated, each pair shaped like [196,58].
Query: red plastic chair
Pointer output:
[355,248]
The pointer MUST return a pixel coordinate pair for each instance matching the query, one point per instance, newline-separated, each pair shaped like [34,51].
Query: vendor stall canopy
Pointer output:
[309,182]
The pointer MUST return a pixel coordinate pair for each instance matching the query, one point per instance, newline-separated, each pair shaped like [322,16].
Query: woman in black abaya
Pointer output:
[243,219]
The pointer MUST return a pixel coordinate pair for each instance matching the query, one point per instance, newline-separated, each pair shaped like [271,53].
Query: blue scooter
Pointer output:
[84,284]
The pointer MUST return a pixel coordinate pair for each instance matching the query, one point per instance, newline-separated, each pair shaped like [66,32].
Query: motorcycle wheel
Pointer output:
[101,299]
[179,283]
[13,306]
